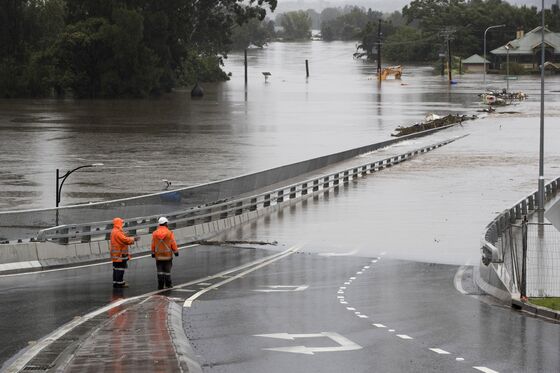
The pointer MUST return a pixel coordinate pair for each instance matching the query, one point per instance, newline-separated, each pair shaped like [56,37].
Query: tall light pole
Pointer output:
[491,27]
[508,47]
[541,146]
[60,183]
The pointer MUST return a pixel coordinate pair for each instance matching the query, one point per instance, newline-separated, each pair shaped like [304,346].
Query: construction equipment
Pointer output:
[391,70]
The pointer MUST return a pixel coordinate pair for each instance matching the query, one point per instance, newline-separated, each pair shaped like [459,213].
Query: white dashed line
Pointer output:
[404,336]
[459,359]
[350,308]
[485,370]
[343,302]
[366,267]
[439,351]
[391,330]
[340,296]
[340,292]
[347,283]
[379,325]
[204,283]
[374,261]
[359,273]
[363,316]
[352,278]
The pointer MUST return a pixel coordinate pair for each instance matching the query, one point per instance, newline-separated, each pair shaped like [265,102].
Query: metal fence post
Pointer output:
[315,185]
[280,198]
[86,238]
[303,189]
[523,289]
[293,192]
[266,202]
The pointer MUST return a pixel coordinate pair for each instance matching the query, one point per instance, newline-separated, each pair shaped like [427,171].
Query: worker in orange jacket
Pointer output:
[163,249]
[119,252]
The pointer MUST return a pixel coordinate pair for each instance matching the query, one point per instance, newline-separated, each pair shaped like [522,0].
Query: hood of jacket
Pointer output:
[118,223]
[161,232]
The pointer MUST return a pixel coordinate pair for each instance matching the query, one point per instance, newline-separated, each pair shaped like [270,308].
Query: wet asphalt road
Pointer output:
[407,300]
[34,305]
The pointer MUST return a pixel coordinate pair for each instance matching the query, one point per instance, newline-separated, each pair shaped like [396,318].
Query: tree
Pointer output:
[296,24]
[254,32]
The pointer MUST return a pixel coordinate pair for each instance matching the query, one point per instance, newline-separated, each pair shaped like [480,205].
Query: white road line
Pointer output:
[457,279]
[340,292]
[282,255]
[459,359]
[352,278]
[347,283]
[439,351]
[363,316]
[374,261]
[485,370]
[379,325]
[33,350]
[343,288]
[343,302]
[366,267]
[84,265]
[205,283]
[340,297]
[359,272]
[350,308]
[391,330]
[404,336]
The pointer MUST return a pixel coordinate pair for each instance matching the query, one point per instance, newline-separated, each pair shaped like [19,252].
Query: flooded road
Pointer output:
[442,199]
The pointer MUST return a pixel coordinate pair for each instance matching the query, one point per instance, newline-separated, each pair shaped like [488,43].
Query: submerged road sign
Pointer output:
[344,344]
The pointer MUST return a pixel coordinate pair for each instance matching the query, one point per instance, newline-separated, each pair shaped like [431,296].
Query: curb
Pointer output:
[537,311]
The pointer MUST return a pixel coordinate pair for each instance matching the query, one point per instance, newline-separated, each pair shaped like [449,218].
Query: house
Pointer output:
[474,64]
[526,49]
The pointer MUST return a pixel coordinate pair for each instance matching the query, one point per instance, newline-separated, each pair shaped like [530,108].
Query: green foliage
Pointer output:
[407,44]
[114,48]
[552,303]
[254,32]
[349,25]
[296,24]
[515,69]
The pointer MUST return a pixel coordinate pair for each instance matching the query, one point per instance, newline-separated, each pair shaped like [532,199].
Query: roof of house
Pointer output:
[475,59]
[530,41]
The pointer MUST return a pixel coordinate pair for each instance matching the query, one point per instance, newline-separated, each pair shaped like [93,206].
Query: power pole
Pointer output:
[379,50]
[448,36]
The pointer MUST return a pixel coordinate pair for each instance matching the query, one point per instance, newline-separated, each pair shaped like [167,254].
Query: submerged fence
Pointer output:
[525,254]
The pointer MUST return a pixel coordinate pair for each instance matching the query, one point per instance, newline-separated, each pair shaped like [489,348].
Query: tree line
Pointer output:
[116,48]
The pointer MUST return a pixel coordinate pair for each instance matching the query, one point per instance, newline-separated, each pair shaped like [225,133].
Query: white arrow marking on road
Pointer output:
[404,336]
[279,288]
[344,343]
[485,370]
[439,351]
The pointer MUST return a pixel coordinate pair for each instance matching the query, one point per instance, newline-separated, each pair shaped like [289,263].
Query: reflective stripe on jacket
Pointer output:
[119,242]
[163,243]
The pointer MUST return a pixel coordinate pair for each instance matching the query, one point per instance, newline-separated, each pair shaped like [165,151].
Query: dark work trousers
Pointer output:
[118,273]
[164,273]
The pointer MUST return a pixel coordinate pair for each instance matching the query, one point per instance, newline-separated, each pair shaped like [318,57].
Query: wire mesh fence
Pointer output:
[531,254]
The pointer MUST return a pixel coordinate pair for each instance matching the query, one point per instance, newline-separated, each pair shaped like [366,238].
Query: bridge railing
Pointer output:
[86,232]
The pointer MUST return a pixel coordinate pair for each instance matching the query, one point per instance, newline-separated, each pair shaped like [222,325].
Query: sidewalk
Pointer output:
[141,338]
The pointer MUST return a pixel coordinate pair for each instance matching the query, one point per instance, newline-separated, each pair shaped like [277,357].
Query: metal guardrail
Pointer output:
[498,226]
[87,232]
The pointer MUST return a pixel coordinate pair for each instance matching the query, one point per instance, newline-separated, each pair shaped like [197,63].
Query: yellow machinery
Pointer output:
[391,70]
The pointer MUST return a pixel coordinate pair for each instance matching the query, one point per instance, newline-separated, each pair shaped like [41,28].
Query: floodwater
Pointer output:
[436,205]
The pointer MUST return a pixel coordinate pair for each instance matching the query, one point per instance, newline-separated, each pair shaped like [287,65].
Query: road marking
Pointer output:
[340,297]
[359,272]
[185,290]
[404,336]
[205,283]
[26,356]
[459,359]
[457,280]
[352,278]
[344,343]
[379,325]
[485,370]
[366,267]
[374,261]
[350,308]
[343,288]
[347,283]
[282,288]
[340,292]
[391,330]
[339,254]
[343,302]
[439,351]
[363,316]
[282,255]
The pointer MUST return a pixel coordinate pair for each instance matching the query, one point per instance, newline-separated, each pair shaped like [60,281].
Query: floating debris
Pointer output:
[432,121]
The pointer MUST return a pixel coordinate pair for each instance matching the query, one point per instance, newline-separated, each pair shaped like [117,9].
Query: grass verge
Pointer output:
[552,303]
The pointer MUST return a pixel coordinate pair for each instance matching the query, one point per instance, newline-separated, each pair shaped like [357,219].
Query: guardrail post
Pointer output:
[224,213]
[524,207]
[239,206]
[131,230]
[153,223]
[280,196]
[86,238]
[512,215]
[315,185]
[554,187]
[548,189]
[63,240]
[266,202]
[364,170]
[109,227]
[345,178]
[303,189]
[531,202]
[326,182]
[293,192]
[336,179]
[517,211]
[354,173]
[253,206]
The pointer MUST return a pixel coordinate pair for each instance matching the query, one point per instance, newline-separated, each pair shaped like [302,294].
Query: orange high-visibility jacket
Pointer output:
[163,243]
[119,242]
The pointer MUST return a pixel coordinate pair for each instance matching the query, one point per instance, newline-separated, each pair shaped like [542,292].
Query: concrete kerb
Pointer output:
[536,311]
[183,350]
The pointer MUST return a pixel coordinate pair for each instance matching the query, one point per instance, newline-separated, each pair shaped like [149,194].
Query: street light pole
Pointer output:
[507,66]
[541,145]
[61,183]
[491,27]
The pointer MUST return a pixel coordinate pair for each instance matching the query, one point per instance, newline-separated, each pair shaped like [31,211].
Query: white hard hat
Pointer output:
[162,220]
